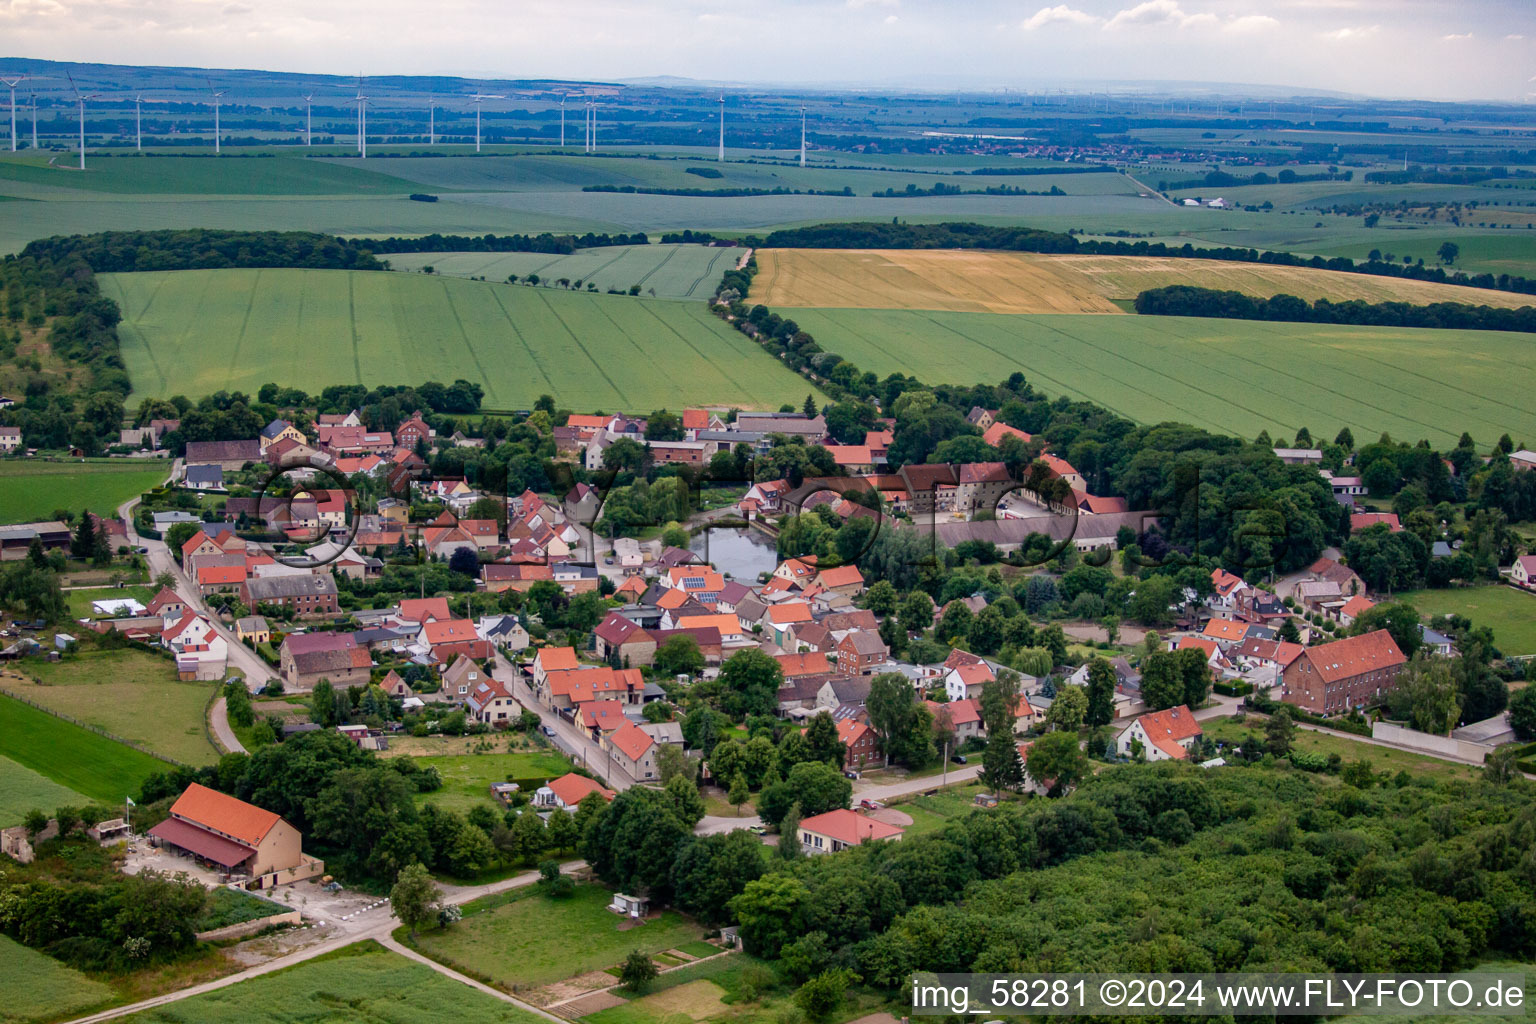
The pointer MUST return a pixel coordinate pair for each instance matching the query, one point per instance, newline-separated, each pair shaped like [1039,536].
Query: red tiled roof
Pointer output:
[1225,629]
[845,826]
[449,631]
[1165,728]
[842,576]
[602,714]
[554,659]
[808,664]
[1364,520]
[997,431]
[419,609]
[202,842]
[789,612]
[1354,655]
[571,788]
[631,741]
[223,813]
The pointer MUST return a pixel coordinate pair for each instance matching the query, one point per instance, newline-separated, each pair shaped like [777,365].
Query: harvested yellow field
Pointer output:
[969,281]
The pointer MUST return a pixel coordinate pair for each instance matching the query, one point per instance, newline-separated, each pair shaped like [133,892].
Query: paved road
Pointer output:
[568,739]
[219,717]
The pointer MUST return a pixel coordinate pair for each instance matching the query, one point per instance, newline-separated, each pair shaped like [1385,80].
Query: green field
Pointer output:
[1384,760]
[128,174]
[79,601]
[198,331]
[31,490]
[1237,377]
[467,778]
[39,988]
[1510,613]
[668,271]
[132,694]
[92,765]
[359,984]
[23,790]
[536,940]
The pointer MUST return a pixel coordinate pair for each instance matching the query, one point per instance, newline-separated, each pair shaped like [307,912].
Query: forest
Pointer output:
[1187,300]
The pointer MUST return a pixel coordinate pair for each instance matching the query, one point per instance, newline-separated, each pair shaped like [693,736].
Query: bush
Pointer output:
[1308,761]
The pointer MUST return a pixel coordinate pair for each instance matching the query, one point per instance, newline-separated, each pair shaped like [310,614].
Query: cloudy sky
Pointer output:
[1449,49]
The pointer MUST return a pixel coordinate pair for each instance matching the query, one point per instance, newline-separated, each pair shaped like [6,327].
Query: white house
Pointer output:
[1164,735]
[965,681]
[200,651]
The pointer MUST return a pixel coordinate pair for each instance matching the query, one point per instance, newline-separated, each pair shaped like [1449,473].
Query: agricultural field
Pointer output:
[535,940]
[31,489]
[23,790]
[467,778]
[361,984]
[39,988]
[1236,377]
[1003,282]
[198,331]
[90,764]
[132,694]
[267,175]
[661,271]
[1510,613]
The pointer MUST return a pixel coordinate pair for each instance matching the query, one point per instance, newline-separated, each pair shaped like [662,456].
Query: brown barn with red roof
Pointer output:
[236,837]
[1345,674]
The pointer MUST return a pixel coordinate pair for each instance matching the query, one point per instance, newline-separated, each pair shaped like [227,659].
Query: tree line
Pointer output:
[1223,179]
[717,193]
[1188,300]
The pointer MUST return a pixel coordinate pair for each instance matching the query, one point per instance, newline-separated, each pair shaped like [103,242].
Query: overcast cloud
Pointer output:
[1451,49]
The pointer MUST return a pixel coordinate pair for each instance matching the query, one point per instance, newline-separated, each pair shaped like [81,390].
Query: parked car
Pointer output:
[959,759]
[871,805]
[851,775]
[547,730]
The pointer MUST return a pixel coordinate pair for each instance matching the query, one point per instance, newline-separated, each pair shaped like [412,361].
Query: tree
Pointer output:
[1162,682]
[1501,767]
[1000,765]
[1055,760]
[1195,673]
[638,972]
[322,705]
[1431,692]
[1522,712]
[1279,731]
[1399,618]
[881,598]
[750,681]
[739,793]
[679,655]
[84,543]
[810,406]
[903,725]
[1101,693]
[916,612]
[789,835]
[632,844]
[1288,631]
[822,996]
[816,787]
[822,743]
[1448,252]
[465,561]
[415,897]
[713,870]
[686,801]
[672,763]
[560,831]
[1069,709]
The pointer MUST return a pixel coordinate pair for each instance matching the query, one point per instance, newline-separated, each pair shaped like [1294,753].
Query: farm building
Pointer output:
[240,838]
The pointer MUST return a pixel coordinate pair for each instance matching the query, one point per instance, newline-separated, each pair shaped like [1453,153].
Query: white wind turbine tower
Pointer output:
[721,156]
[362,120]
[81,101]
[32,99]
[218,95]
[802,135]
[562,122]
[479,98]
[431,120]
[138,121]
[13,83]
[309,120]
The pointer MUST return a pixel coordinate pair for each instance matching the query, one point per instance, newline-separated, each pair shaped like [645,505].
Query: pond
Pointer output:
[740,553]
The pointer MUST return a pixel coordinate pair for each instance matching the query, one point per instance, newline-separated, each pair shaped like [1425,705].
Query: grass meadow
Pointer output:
[359,984]
[132,694]
[668,271]
[1236,377]
[535,940]
[91,765]
[131,174]
[195,332]
[1510,613]
[30,490]
[38,988]
[79,602]
[1005,282]
[23,790]
[1384,760]
[467,778]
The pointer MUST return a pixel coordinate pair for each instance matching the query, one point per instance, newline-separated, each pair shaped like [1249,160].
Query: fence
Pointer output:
[95,729]
[1446,746]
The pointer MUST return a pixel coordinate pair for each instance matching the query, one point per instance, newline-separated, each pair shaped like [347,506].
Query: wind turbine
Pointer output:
[479,98]
[802,135]
[13,83]
[431,120]
[218,94]
[362,120]
[309,120]
[32,98]
[562,122]
[138,122]
[81,101]
[721,157]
